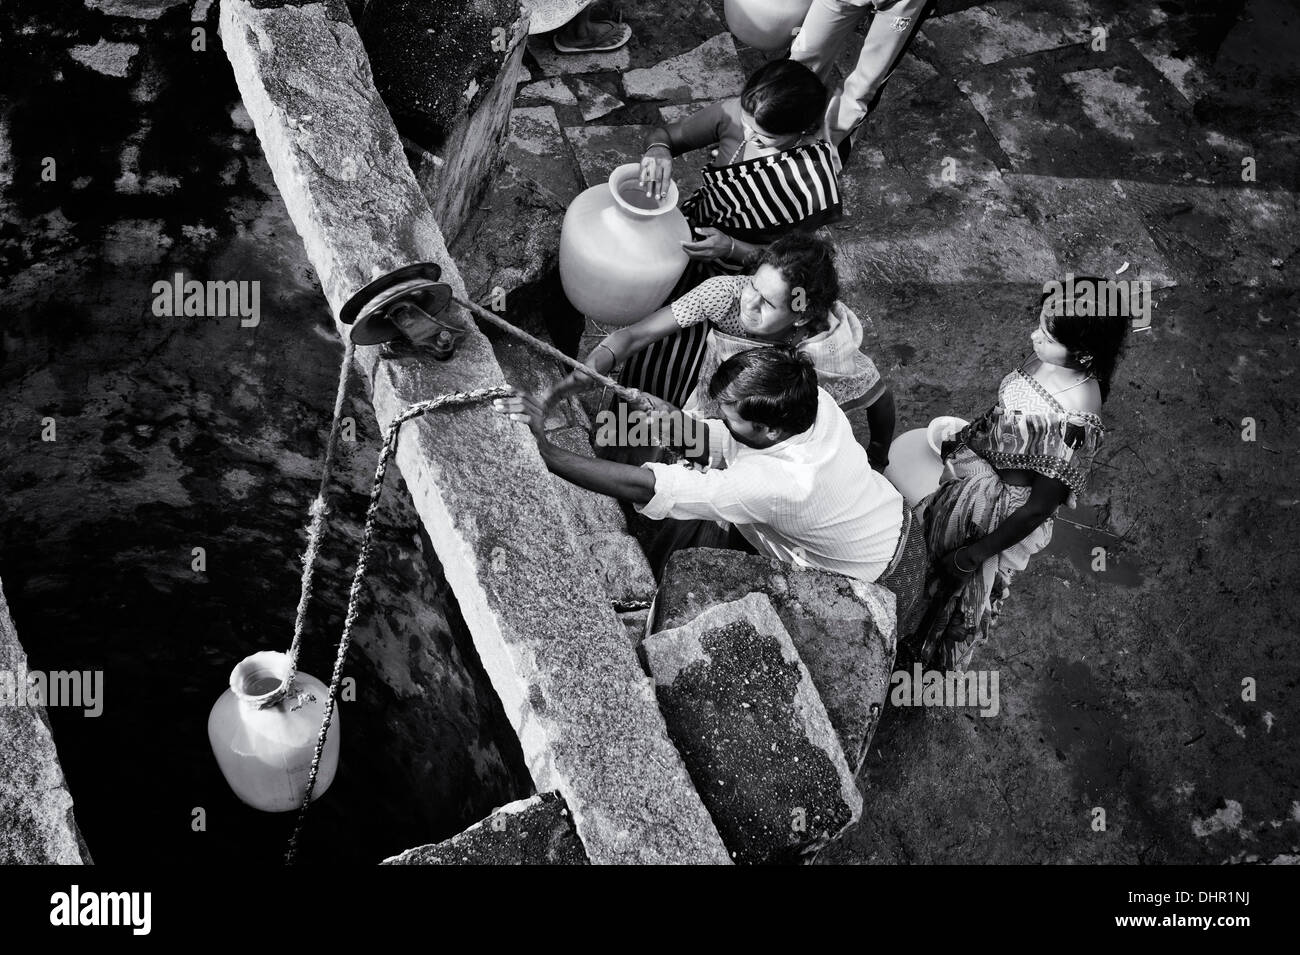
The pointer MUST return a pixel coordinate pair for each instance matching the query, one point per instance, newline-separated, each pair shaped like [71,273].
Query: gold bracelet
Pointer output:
[611,354]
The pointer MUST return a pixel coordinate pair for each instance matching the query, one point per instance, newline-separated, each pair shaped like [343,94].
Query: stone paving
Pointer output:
[1019,140]
[1000,150]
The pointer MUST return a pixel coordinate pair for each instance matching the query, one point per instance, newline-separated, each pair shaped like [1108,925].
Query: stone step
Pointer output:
[753,732]
[844,629]
[533,831]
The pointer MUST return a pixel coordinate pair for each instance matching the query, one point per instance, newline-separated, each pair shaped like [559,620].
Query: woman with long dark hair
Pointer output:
[1007,472]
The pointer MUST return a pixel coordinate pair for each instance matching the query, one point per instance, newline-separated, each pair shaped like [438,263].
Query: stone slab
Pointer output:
[753,731]
[600,149]
[1092,229]
[1186,70]
[984,247]
[593,101]
[1078,113]
[548,639]
[551,90]
[135,9]
[537,150]
[1235,235]
[468,133]
[553,63]
[845,630]
[711,71]
[35,805]
[106,57]
[1004,29]
[602,530]
[533,831]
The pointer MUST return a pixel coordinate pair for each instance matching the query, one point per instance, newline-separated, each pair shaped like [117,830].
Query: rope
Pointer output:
[316,529]
[363,560]
[319,509]
[629,394]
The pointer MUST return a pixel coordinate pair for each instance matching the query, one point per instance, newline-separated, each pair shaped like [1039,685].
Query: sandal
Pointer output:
[618,34]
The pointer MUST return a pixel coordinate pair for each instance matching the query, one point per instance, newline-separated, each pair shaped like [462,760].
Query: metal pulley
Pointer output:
[403,303]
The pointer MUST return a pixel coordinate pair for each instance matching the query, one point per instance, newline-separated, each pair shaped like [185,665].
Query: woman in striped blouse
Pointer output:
[772,173]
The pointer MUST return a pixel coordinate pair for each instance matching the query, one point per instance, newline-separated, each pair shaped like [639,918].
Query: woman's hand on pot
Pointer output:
[711,244]
[656,172]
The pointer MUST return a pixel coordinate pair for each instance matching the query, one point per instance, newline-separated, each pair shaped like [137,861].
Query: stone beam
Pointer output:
[545,629]
[36,823]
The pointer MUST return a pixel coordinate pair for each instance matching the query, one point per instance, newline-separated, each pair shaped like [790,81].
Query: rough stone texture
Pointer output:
[1089,231]
[1004,29]
[636,623]
[135,9]
[593,101]
[36,808]
[176,432]
[551,90]
[602,531]
[1052,110]
[533,831]
[513,237]
[844,629]
[557,654]
[602,149]
[553,63]
[752,729]
[111,59]
[459,140]
[709,72]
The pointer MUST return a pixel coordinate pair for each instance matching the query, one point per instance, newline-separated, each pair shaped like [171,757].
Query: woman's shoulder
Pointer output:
[711,300]
[1086,398]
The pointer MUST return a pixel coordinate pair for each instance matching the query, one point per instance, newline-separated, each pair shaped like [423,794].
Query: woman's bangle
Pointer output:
[611,353]
[957,563]
[653,145]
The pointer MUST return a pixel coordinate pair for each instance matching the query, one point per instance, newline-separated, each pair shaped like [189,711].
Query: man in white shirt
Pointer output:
[796,484]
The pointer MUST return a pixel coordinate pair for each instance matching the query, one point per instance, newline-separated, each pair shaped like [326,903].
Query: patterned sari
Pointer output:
[1027,429]
[757,200]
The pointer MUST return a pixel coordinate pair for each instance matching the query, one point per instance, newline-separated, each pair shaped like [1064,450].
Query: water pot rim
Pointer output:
[264,662]
[632,170]
[938,428]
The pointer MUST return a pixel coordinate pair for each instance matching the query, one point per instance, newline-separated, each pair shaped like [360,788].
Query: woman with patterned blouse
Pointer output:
[791,299]
[1007,472]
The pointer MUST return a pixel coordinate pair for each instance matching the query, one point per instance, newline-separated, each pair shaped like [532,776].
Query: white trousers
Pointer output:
[828,25]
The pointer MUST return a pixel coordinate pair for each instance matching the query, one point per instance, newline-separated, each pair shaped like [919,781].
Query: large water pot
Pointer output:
[265,745]
[765,24]
[621,251]
[915,466]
